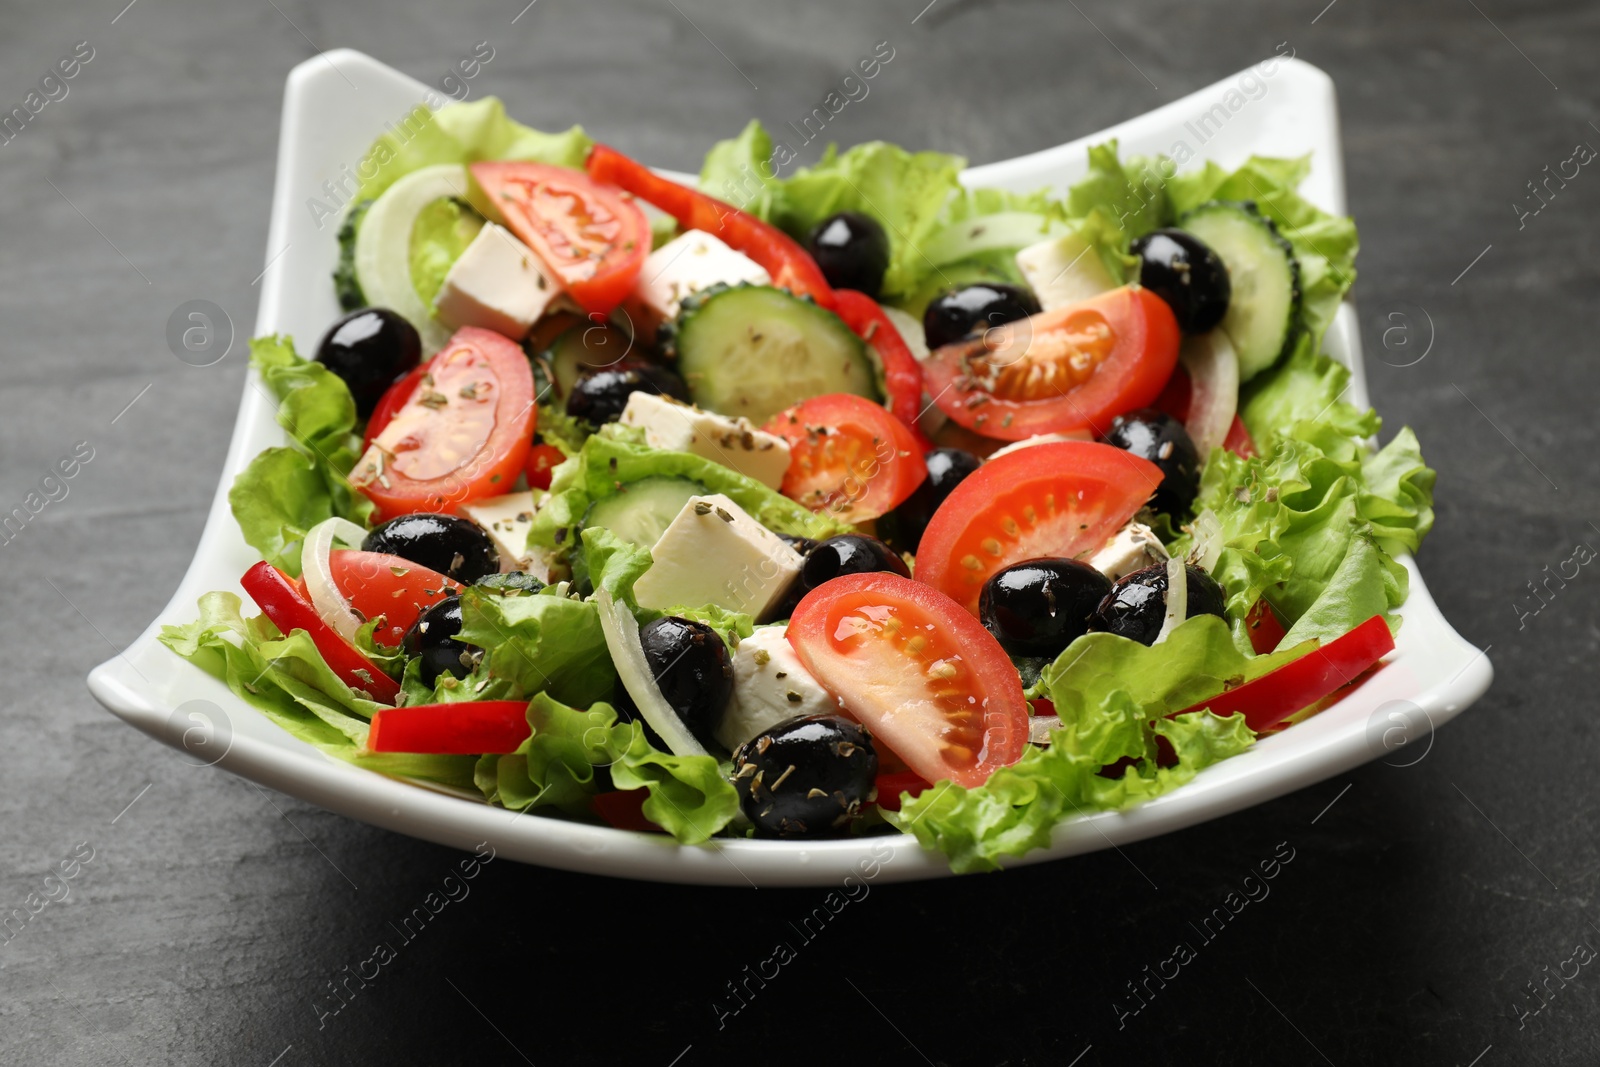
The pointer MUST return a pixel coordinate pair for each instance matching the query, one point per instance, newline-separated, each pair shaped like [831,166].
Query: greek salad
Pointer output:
[852,502]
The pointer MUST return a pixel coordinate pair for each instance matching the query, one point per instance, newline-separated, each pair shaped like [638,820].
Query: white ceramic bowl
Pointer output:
[334,106]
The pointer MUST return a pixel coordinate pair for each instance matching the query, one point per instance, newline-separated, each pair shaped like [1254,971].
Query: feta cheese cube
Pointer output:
[770,684]
[735,443]
[715,553]
[498,283]
[688,263]
[1064,270]
[507,519]
[1132,548]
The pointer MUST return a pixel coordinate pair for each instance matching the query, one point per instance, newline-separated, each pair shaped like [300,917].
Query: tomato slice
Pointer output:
[790,265]
[461,433]
[542,459]
[892,784]
[848,456]
[1239,441]
[1059,499]
[924,676]
[376,583]
[394,398]
[280,601]
[1071,368]
[589,233]
[902,374]
[465,728]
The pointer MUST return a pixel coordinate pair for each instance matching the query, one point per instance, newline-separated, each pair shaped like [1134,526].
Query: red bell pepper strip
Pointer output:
[1273,697]
[466,728]
[281,602]
[1238,440]
[790,266]
[901,373]
[1266,632]
[624,809]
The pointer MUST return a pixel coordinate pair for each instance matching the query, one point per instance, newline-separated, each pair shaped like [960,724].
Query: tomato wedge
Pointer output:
[376,583]
[1071,368]
[891,785]
[394,398]
[1058,499]
[281,602]
[542,459]
[465,728]
[848,456]
[790,265]
[1273,697]
[461,433]
[924,676]
[902,374]
[593,237]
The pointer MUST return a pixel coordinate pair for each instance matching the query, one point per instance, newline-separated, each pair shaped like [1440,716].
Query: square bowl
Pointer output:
[335,105]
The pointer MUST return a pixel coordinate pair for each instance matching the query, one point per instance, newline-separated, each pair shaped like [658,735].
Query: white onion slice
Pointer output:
[627,653]
[1213,368]
[1207,532]
[330,603]
[1177,598]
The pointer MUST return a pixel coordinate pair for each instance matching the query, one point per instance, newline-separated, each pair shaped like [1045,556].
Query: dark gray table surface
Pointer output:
[213,916]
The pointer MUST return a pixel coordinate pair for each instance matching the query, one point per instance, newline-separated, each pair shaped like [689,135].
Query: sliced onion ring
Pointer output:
[1213,368]
[1207,533]
[621,630]
[314,567]
[1177,598]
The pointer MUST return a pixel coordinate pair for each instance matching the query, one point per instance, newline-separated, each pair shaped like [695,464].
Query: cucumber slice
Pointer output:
[345,285]
[1264,274]
[754,350]
[585,347]
[383,247]
[641,512]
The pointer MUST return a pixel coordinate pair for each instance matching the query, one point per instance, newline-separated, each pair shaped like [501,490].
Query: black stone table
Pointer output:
[1436,914]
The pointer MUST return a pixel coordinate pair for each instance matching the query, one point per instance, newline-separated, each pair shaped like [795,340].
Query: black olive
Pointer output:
[800,544]
[1136,607]
[369,349]
[1039,607]
[959,313]
[1161,439]
[1187,275]
[433,637]
[510,583]
[691,667]
[947,468]
[806,777]
[852,250]
[599,396]
[455,547]
[849,554]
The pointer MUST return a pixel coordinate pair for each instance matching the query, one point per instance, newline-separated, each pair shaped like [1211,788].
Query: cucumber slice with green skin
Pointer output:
[345,285]
[383,247]
[1265,277]
[581,349]
[641,512]
[754,350]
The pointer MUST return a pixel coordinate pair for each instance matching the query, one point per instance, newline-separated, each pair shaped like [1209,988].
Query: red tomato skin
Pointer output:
[393,399]
[280,600]
[542,459]
[901,372]
[790,265]
[891,786]
[1120,483]
[814,633]
[371,585]
[1141,360]
[896,464]
[1174,400]
[597,287]
[504,455]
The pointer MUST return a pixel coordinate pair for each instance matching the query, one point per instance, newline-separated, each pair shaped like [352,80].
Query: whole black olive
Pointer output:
[849,554]
[853,251]
[510,583]
[433,638]
[972,309]
[1136,607]
[691,667]
[1187,275]
[368,350]
[806,777]
[1039,607]
[800,544]
[1161,439]
[903,527]
[455,547]
[600,396]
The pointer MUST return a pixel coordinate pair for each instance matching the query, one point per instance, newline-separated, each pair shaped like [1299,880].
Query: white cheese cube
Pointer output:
[769,685]
[735,443]
[715,553]
[498,283]
[688,263]
[507,519]
[1132,548]
[1064,270]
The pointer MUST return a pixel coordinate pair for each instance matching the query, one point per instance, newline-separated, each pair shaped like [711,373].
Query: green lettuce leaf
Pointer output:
[1127,195]
[442,231]
[542,643]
